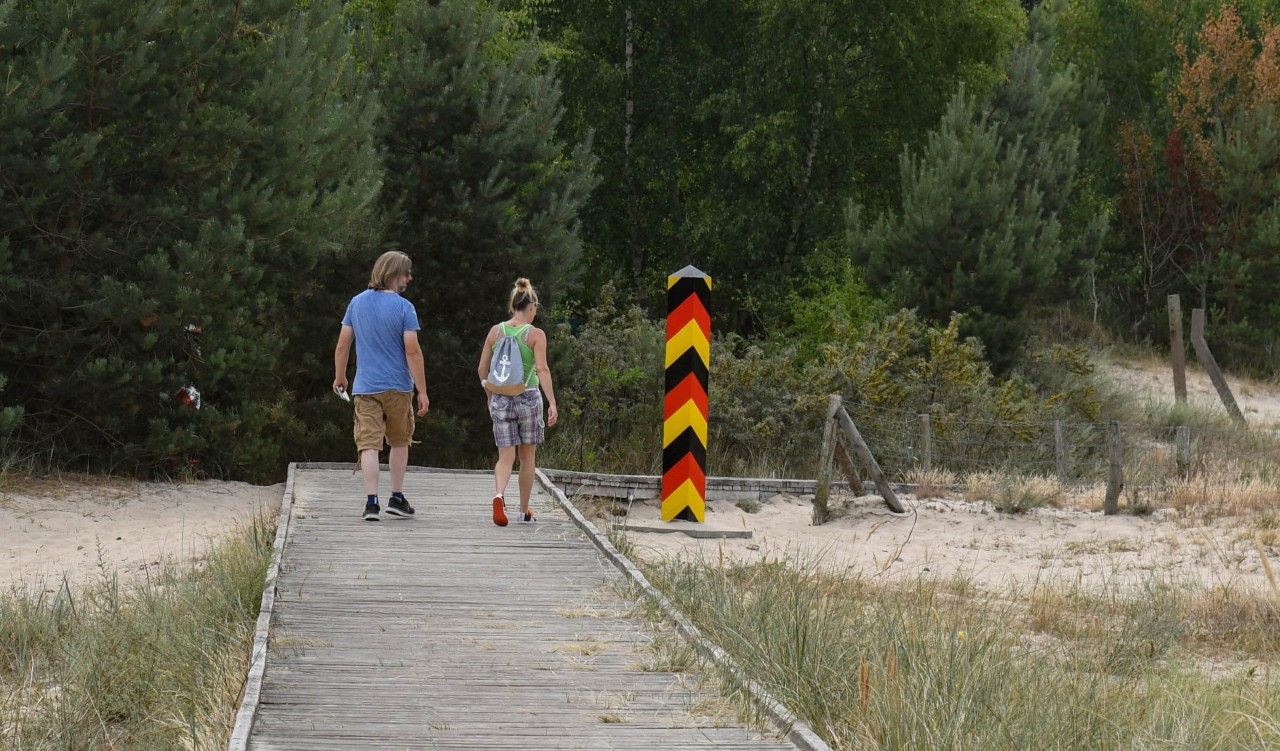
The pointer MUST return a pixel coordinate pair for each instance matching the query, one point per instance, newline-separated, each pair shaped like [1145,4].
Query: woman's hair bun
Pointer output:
[522,295]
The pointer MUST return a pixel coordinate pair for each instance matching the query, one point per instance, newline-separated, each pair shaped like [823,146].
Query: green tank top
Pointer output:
[526,352]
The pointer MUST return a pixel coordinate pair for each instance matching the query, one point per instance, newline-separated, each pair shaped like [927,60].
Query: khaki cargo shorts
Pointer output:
[388,414]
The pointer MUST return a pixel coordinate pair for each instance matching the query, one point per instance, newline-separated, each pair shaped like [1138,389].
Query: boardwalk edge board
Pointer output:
[795,729]
[649,487]
[262,632]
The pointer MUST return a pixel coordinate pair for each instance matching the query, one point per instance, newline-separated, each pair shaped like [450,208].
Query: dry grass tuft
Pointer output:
[1014,493]
[937,483]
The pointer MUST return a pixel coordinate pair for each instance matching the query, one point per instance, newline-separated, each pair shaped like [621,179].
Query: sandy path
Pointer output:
[1152,380]
[994,550]
[52,527]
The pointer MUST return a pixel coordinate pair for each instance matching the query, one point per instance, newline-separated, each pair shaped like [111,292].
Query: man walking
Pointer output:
[384,327]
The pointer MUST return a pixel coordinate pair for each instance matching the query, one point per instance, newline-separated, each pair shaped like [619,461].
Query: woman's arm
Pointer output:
[538,340]
[486,354]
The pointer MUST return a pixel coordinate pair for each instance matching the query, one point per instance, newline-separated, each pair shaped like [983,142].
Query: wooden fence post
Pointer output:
[1115,477]
[1211,366]
[868,459]
[1060,450]
[926,443]
[1183,456]
[1176,350]
[821,497]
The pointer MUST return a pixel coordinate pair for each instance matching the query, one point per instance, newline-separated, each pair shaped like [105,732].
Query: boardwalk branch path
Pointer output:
[447,632]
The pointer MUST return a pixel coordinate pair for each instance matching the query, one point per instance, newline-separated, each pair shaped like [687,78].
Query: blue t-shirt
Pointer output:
[380,320]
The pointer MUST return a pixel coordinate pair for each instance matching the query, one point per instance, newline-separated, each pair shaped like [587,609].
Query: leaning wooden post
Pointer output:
[850,471]
[1183,456]
[684,412]
[826,458]
[868,459]
[1211,366]
[1176,350]
[1115,475]
[1060,450]
[926,443]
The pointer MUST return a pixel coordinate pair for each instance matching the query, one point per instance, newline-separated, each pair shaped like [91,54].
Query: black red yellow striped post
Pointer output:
[684,413]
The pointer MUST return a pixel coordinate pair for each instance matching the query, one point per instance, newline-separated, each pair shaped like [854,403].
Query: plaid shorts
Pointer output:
[517,420]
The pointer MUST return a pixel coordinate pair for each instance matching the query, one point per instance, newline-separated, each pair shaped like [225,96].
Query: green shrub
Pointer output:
[767,401]
[764,412]
[10,421]
[834,305]
[766,416]
[609,387]
[902,367]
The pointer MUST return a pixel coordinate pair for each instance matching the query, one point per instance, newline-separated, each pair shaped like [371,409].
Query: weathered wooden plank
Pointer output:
[447,632]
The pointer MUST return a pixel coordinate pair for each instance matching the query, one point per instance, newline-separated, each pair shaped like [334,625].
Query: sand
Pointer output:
[956,538]
[83,528]
[995,551]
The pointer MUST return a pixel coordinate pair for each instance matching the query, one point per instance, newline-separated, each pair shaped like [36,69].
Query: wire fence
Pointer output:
[1161,465]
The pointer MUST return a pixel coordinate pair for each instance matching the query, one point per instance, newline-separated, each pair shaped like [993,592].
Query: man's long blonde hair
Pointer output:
[389,265]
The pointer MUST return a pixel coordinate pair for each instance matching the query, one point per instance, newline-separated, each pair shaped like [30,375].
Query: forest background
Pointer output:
[924,206]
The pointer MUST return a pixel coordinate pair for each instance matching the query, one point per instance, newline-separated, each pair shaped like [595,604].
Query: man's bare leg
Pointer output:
[399,462]
[369,470]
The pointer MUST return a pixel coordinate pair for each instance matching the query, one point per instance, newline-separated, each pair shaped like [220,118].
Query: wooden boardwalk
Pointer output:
[447,632]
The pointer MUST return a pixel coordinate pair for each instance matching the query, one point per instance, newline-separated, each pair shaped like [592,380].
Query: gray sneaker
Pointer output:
[371,512]
[399,507]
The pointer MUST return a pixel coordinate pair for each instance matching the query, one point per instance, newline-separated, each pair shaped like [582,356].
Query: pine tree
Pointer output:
[476,190]
[732,132]
[1247,268]
[980,231]
[171,173]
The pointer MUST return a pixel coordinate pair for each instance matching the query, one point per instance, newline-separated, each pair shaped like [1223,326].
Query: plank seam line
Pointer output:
[262,632]
[354,468]
[795,729]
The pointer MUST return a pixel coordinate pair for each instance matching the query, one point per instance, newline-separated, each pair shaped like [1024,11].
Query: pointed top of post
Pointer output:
[690,272]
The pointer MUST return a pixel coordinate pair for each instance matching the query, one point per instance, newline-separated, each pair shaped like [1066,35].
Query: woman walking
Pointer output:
[518,426]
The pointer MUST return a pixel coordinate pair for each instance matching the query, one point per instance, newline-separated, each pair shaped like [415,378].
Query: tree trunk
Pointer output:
[810,156]
[628,136]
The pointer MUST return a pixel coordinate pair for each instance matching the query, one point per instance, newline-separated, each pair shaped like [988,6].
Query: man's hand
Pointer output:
[340,383]
[423,403]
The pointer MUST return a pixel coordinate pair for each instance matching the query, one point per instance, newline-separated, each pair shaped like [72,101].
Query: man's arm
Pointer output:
[341,354]
[413,356]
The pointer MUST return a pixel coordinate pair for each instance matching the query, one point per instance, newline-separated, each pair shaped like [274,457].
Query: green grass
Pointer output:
[940,665]
[154,663]
[1198,414]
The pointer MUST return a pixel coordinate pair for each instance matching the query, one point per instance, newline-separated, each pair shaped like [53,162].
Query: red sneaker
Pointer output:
[525,516]
[499,511]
